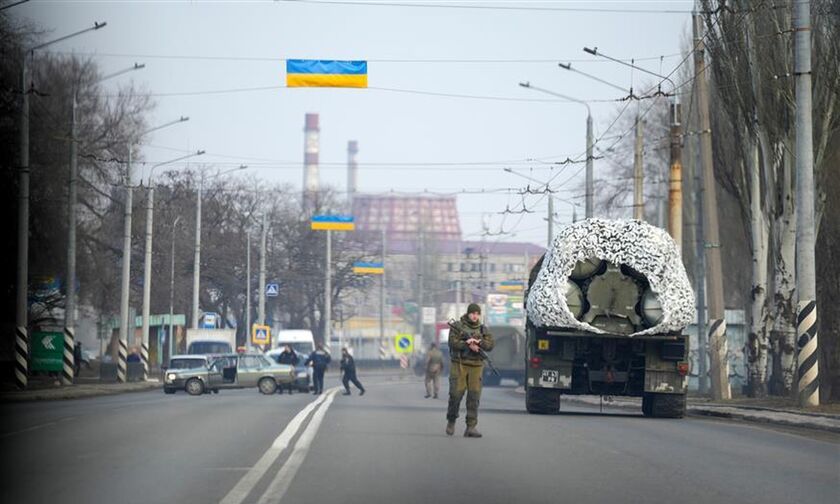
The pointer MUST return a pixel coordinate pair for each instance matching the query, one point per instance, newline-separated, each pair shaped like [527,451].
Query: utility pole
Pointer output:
[808,359]
[248,291]
[172,290]
[147,279]
[675,197]
[590,184]
[327,316]
[382,294]
[68,369]
[717,329]
[421,265]
[261,294]
[122,351]
[22,281]
[700,277]
[197,256]
[550,219]
[638,173]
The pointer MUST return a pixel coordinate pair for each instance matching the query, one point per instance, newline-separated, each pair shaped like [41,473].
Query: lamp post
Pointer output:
[590,189]
[122,354]
[147,263]
[68,370]
[197,259]
[171,344]
[22,280]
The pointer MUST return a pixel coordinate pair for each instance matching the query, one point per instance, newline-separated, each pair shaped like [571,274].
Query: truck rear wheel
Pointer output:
[663,405]
[542,401]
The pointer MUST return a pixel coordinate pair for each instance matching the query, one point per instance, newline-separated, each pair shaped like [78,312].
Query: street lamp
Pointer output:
[22,281]
[197,260]
[147,263]
[172,290]
[70,285]
[590,189]
[126,259]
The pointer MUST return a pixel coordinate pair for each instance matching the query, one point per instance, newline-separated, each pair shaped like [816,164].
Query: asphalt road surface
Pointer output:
[390,446]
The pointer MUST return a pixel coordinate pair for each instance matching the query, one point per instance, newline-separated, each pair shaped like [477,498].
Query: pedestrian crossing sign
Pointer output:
[404,343]
[272,290]
[260,334]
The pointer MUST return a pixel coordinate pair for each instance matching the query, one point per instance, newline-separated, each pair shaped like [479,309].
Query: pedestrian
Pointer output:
[319,360]
[134,356]
[290,357]
[348,367]
[467,338]
[434,368]
[77,358]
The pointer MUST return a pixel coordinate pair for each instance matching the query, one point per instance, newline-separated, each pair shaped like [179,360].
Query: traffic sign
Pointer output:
[272,289]
[404,343]
[209,320]
[260,334]
[429,314]
[47,351]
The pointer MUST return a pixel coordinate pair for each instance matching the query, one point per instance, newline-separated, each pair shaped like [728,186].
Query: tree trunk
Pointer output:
[784,302]
[757,340]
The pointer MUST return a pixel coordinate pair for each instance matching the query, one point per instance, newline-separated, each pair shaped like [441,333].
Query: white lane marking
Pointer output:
[240,492]
[278,487]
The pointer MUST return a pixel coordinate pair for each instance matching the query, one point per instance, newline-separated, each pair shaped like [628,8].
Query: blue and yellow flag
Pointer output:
[368,268]
[332,223]
[326,73]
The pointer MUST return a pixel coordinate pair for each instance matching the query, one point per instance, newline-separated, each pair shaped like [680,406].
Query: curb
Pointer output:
[71,393]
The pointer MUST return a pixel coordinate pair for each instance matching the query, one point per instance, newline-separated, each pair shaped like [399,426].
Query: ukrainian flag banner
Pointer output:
[333,223]
[369,268]
[326,73]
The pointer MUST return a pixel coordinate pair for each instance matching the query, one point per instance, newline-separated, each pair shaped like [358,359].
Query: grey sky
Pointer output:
[264,128]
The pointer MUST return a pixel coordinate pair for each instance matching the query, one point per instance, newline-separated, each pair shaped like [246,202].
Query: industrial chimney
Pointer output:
[352,171]
[311,141]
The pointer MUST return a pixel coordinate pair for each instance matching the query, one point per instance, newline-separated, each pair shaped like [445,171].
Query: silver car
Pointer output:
[231,371]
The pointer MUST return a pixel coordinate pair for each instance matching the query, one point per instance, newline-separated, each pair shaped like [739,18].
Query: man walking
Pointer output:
[290,357]
[348,367]
[434,368]
[467,338]
[319,360]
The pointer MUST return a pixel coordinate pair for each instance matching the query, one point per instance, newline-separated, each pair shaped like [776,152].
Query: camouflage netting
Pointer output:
[645,248]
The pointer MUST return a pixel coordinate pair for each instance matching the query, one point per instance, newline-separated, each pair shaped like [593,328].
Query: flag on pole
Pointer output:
[333,223]
[326,73]
[370,268]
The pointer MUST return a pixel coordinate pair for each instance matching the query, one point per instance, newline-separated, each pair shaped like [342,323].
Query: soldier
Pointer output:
[290,357]
[319,360]
[466,340]
[348,367]
[434,368]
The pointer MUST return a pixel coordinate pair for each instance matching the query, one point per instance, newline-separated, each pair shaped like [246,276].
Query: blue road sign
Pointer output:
[272,289]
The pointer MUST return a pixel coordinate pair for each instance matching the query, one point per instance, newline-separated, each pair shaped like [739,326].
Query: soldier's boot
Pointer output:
[472,432]
[450,428]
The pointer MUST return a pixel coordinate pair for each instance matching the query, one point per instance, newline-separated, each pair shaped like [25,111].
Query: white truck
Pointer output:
[211,341]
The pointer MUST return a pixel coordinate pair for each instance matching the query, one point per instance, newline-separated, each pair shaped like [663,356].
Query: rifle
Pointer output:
[481,352]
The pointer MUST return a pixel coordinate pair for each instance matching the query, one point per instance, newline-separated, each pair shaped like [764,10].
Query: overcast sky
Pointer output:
[200,46]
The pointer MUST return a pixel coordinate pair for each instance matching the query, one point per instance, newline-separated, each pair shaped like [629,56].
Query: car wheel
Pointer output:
[194,387]
[168,390]
[267,386]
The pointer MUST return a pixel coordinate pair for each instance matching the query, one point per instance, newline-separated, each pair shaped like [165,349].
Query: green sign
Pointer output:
[47,351]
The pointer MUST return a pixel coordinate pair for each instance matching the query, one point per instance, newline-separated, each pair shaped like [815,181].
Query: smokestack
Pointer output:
[352,170]
[311,140]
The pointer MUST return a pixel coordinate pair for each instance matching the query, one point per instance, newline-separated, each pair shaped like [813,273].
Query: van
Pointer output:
[301,340]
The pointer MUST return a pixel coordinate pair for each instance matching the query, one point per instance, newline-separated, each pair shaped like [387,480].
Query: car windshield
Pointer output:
[209,347]
[187,363]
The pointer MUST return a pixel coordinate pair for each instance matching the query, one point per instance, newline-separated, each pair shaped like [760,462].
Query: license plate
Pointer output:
[549,376]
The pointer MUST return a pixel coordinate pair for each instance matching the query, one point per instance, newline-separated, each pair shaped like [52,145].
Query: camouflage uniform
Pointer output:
[434,368]
[466,368]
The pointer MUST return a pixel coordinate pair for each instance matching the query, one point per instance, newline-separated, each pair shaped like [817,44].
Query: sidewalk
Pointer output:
[774,411]
[76,391]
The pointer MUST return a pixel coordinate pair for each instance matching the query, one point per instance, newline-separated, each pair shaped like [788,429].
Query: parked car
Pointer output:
[302,372]
[231,371]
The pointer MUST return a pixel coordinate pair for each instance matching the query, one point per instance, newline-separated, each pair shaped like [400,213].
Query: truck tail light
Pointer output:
[682,368]
[535,362]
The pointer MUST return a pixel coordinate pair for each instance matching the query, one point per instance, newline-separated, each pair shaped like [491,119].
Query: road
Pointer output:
[389,446]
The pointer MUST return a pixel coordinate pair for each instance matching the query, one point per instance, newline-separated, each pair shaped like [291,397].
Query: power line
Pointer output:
[469,5]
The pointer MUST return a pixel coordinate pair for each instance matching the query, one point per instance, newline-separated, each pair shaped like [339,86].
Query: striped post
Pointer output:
[21,357]
[808,362]
[720,364]
[144,356]
[122,366]
[383,352]
[68,370]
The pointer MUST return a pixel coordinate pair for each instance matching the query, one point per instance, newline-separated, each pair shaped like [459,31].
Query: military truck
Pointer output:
[508,355]
[606,308]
